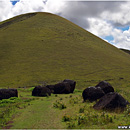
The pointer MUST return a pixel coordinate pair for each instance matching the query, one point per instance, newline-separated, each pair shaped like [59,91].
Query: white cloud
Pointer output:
[121,17]
[27,6]
[5,8]
[99,27]
[121,38]
[55,6]
[102,29]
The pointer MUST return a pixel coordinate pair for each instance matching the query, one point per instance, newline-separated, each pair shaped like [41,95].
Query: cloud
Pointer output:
[120,17]
[55,6]
[27,6]
[5,8]
[79,12]
[121,38]
[100,27]
[104,29]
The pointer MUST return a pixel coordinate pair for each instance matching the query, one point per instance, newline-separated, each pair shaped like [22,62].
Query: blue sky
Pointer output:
[14,2]
[108,20]
[109,38]
[123,28]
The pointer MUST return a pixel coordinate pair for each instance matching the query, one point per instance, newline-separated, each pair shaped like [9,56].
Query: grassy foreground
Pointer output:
[62,111]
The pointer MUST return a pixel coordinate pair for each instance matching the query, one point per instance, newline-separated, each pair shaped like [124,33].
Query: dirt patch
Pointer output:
[8,125]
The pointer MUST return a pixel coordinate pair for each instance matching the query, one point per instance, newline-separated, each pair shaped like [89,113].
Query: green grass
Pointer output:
[9,106]
[40,113]
[46,48]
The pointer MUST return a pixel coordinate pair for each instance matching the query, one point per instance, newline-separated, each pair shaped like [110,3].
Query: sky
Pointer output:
[109,20]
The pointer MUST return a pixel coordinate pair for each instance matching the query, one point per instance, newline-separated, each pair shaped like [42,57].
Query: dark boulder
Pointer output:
[41,91]
[105,86]
[51,87]
[8,93]
[62,88]
[72,84]
[92,94]
[111,101]
[15,91]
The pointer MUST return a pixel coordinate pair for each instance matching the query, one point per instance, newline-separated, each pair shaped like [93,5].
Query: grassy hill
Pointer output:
[42,47]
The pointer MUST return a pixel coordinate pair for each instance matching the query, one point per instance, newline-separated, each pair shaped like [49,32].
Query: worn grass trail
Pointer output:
[38,115]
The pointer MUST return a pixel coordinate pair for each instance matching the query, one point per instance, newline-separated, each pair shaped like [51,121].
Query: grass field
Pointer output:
[62,111]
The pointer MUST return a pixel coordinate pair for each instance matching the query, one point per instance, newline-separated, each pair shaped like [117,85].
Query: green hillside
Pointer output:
[42,47]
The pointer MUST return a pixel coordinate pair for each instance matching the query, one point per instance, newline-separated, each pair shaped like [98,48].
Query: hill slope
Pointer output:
[42,47]
[127,51]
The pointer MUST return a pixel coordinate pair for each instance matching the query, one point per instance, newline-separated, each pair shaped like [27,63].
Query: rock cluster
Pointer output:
[108,99]
[65,87]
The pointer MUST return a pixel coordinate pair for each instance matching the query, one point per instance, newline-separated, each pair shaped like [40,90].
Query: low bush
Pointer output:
[74,101]
[70,125]
[127,111]
[59,105]
[66,118]
[127,114]
[81,110]
[5,102]
[89,118]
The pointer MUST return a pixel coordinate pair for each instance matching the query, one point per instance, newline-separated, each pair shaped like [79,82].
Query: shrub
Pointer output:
[61,98]
[70,125]
[127,111]
[92,118]
[74,101]
[59,105]
[70,96]
[81,110]
[81,119]
[56,95]
[5,102]
[66,118]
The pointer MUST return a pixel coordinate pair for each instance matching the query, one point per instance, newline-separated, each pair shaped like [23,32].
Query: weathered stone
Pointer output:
[111,101]
[105,86]
[62,88]
[51,87]
[8,93]
[72,84]
[92,93]
[41,91]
